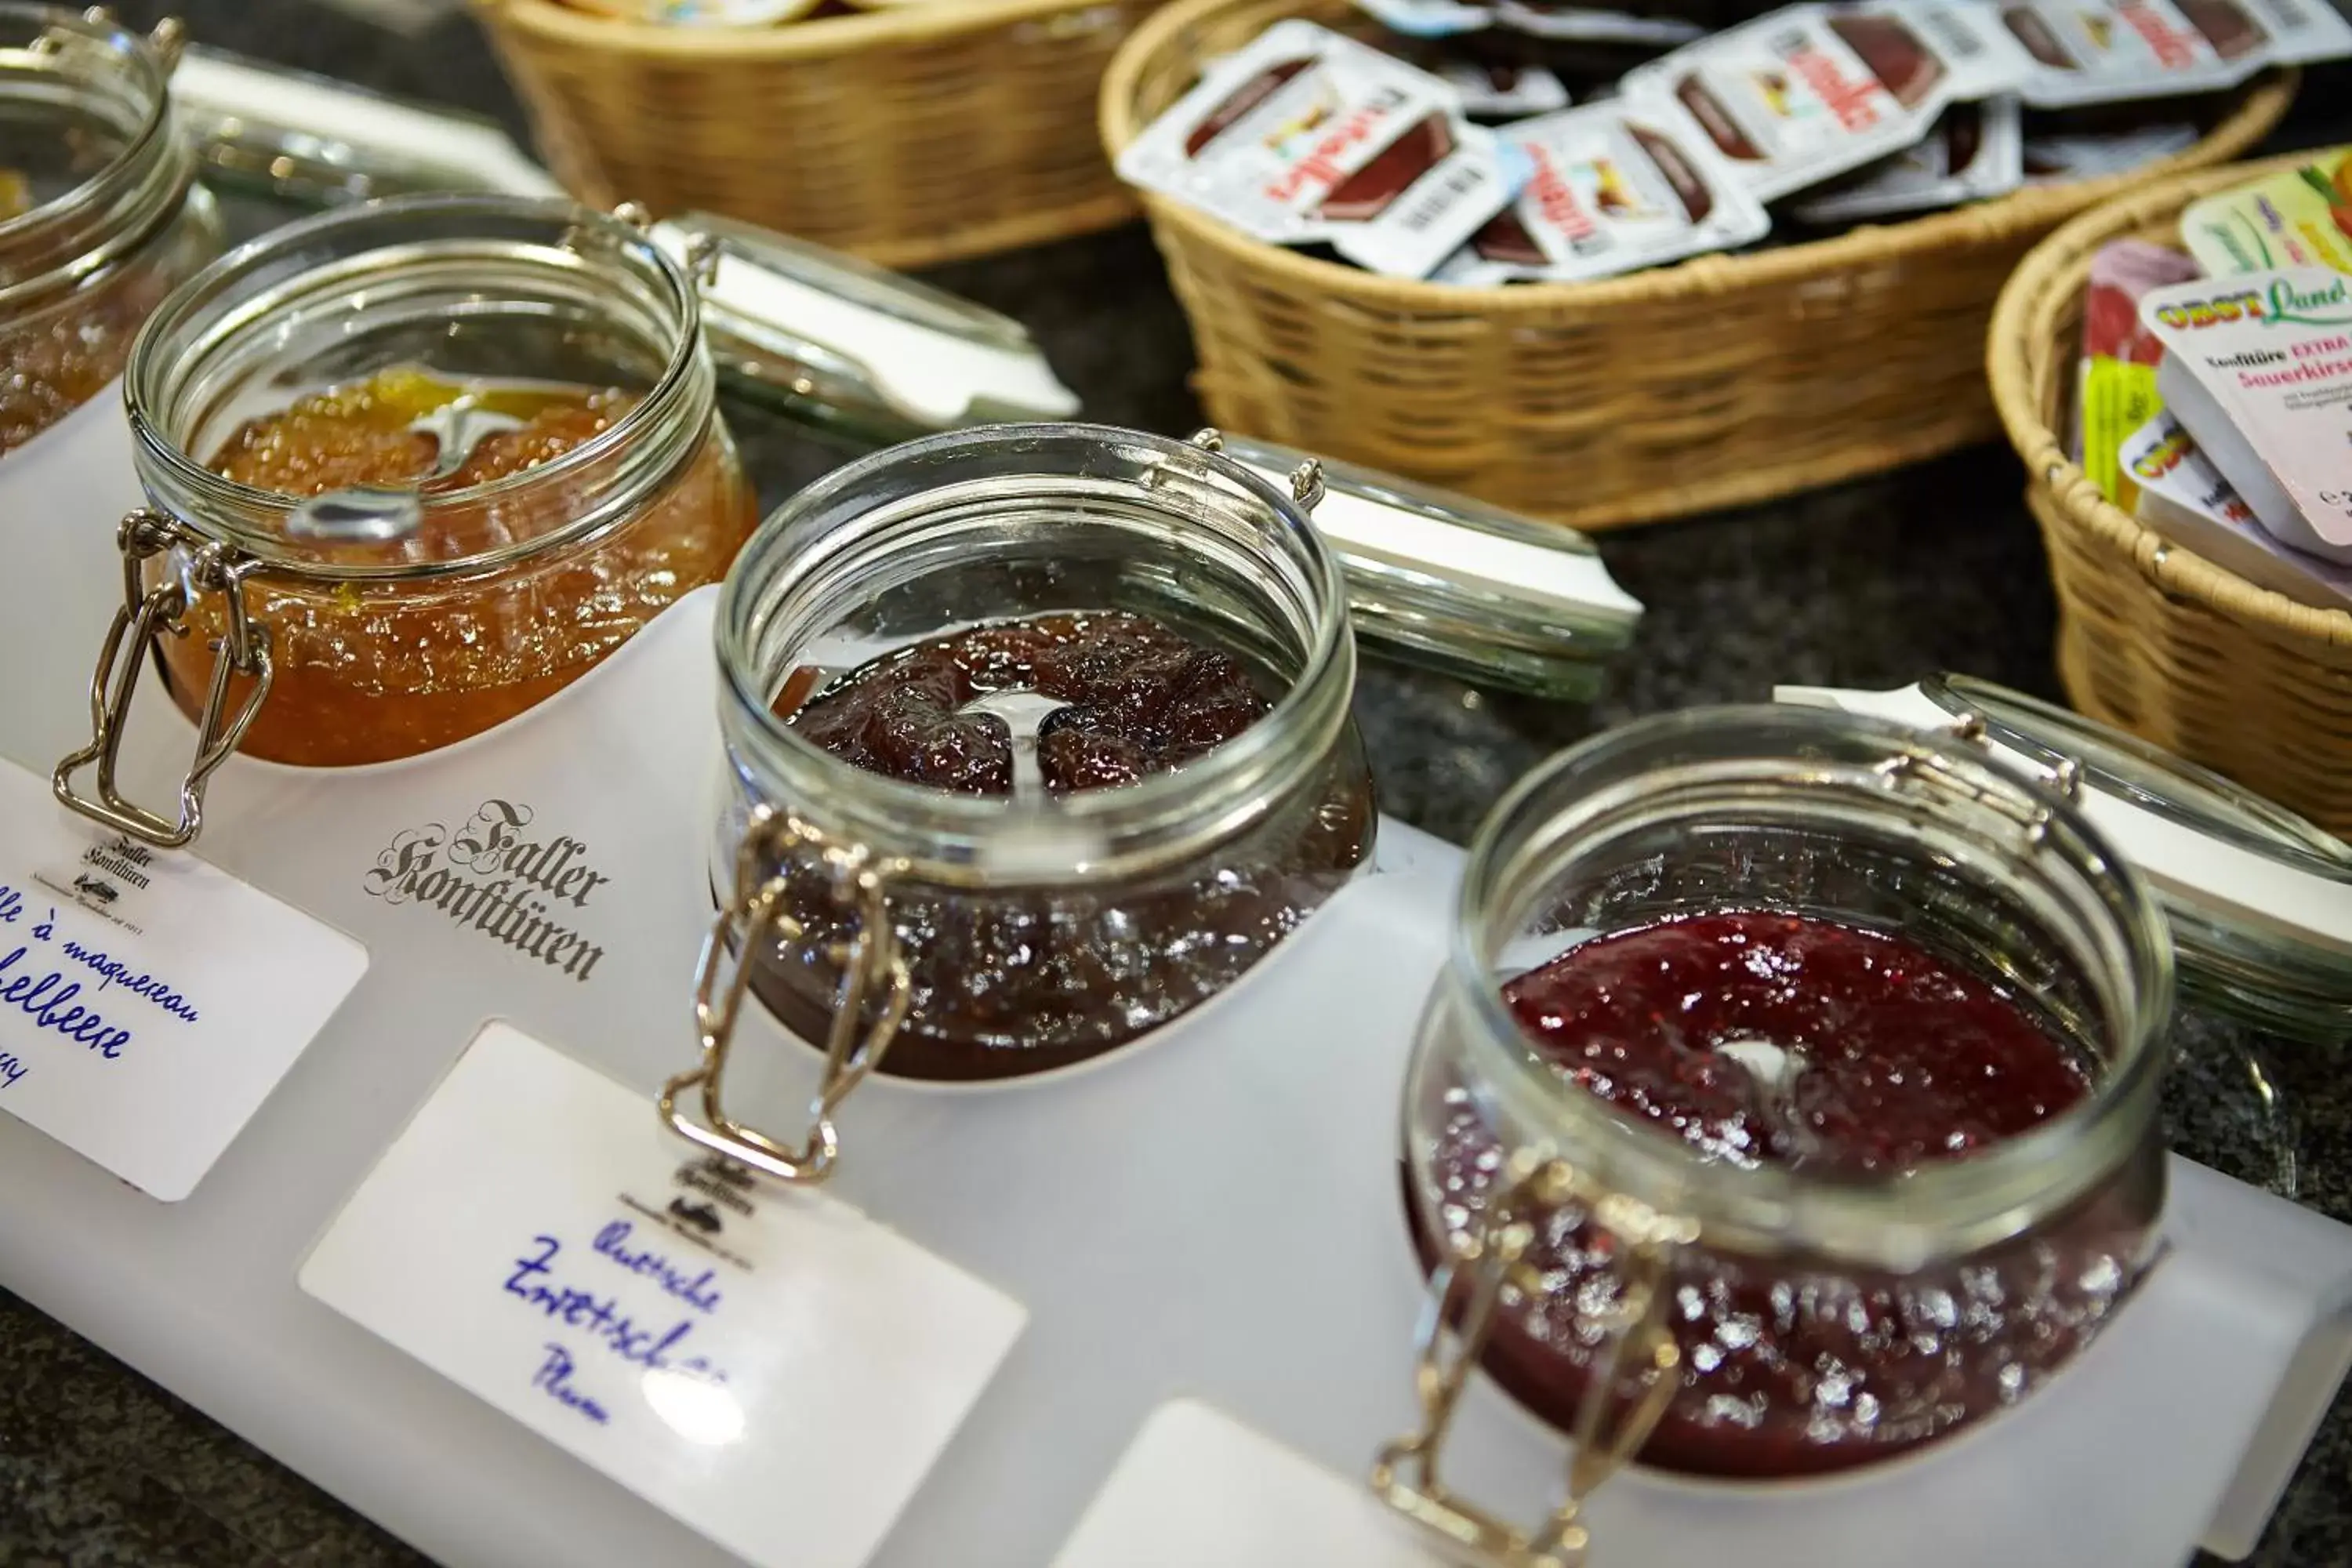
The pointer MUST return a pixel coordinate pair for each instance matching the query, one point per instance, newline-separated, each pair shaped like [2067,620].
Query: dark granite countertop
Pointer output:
[1872,583]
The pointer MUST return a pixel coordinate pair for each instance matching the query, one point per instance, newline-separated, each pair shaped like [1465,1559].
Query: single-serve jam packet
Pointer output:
[2114,386]
[2259,370]
[1976,151]
[1811,92]
[2183,496]
[1615,187]
[2113,51]
[1306,136]
[2301,218]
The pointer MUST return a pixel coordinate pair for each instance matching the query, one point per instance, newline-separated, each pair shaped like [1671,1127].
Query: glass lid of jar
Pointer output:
[823,337]
[1451,583]
[88,169]
[2259,900]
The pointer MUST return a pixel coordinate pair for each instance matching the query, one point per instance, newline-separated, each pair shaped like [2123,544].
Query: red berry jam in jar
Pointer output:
[1817,1056]
[1768,1039]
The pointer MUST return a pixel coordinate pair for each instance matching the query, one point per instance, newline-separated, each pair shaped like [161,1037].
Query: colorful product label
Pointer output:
[2302,218]
[2117,382]
[2269,358]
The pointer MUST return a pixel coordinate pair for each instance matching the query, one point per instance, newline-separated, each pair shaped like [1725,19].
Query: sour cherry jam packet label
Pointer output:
[2259,369]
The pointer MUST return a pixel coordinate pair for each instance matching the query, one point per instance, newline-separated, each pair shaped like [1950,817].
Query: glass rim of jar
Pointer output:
[1088,836]
[1897,1221]
[678,404]
[100,222]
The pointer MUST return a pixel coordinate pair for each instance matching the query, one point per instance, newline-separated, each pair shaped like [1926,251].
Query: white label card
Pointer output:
[149,1001]
[1197,1487]
[769,1366]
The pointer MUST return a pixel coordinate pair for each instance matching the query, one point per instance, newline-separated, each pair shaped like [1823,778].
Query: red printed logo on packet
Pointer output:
[1321,165]
[1556,199]
[2174,50]
[1850,101]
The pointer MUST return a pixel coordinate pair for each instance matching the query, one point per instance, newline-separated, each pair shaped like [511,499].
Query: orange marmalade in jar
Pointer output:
[413,468]
[100,216]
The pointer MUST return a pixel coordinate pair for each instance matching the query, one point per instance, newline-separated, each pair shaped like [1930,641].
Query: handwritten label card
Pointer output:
[1197,1487]
[770,1366]
[149,1001]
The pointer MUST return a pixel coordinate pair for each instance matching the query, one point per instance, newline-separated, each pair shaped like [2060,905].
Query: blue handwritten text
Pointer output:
[112,971]
[12,904]
[49,1002]
[695,1290]
[533,1283]
[554,1380]
[11,1069]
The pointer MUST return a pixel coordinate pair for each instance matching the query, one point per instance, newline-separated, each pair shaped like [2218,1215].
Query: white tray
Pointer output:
[1215,1213]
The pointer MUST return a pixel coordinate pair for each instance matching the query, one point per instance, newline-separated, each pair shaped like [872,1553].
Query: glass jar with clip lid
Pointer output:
[1038,738]
[1788,1101]
[411,468]
[100,216]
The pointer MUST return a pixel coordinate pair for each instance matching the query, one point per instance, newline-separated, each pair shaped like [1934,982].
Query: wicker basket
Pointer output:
[910,136]
[1720,380]
[2150,637]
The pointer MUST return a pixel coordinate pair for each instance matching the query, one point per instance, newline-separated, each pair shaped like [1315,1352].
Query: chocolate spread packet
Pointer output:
[2054,158]
[1976,151]
[1429,18]
[2113,51]
[1585,24]
[1308,136]
[1498,90]
[1615,187]
[1811,92]
[2305,31]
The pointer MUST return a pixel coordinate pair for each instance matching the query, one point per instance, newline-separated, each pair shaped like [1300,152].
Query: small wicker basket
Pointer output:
[910,136]
[1717,382]
[2152,638]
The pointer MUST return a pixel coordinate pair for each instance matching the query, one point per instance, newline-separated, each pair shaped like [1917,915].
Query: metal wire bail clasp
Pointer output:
[1465,1295]
[774,845]
[147,614]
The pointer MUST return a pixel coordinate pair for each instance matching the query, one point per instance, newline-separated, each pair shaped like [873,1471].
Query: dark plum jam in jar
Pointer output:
[1056,705]
[1816,1052]
[1037,738]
